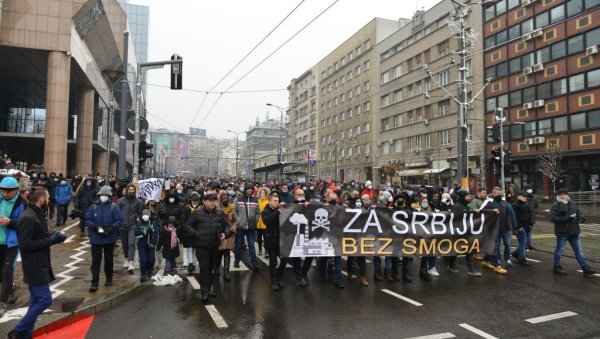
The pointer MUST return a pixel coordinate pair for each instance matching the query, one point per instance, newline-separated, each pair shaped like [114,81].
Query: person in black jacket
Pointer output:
[524,224]
[204,229]
[34,244]
[566,218]
[85,199]
[168,244]
[270,217]
[172,207]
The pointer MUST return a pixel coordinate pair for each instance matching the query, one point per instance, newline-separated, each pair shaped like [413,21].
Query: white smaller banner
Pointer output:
[150,189]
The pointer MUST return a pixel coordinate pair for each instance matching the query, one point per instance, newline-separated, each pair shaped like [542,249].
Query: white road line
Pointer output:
[193,282]
[241,268]
[345,273]
[595,274]
[70,239]
[436,336]
[401,297]
[216,316]
[70,226]
[477,331]
[533,260]
[549,317]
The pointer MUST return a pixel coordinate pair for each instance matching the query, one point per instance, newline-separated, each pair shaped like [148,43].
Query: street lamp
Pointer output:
[501,118]
[236,150]
[280,151]
[114,75]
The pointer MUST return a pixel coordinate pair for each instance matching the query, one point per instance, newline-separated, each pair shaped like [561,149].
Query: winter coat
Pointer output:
[34,246]
[533,206]
[147,232]
[204,227]
[507,219]
[246,209]
[175,209]
[523,214]
[564,224]
[131,210]
[270,217]
[188,211]
[262,204]
[85,198]
[107,215]
[164,243]
[63,194]
[15,215]
[460,207]
[229,242]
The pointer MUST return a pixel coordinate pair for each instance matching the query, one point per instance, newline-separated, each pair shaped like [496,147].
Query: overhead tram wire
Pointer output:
[230,92]
[267,57]
[242,60]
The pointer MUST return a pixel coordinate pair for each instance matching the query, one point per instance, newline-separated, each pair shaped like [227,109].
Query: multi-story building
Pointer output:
[417,121]
[543,57]
[348,102]
[54,95]
[139,23]
[268,136]
[302,126]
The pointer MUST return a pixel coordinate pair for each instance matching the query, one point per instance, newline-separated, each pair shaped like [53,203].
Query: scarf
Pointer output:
[227,209]
[173,237]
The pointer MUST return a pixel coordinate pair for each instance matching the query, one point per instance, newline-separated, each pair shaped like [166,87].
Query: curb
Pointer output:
[91,310]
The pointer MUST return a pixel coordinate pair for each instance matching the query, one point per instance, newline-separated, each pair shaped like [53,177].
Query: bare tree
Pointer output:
[550,164]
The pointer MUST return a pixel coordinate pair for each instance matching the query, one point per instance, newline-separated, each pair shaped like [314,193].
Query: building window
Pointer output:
[585,100]
[385,124]
[496,56]
[357,110]
[521,80]
[523,147]
[367,127]
[385,78]
[496,87]
[577,121]
[520,46]
[398,120]
[584,21]
[548,71]
[547,2]
[444,78]
[357,150]
[444,137]
[495,25]
[588,139]
[367,65]
[550,35]
[398,95]
[367,44]
[367,86]
[522,113]
[428,140]
[444,108]
[367,106]
[552,107]
[398,71]
[520,13]
[357,90]
[585,60]
[367,148]
[357,70]
[398,146]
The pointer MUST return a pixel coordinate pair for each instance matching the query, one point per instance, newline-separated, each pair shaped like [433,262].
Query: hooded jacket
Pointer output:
[15,215]
[63,194]
[204,227]
[34,247]
[174,209]
[107,215]
[86,196]
[246,209]
[131,210]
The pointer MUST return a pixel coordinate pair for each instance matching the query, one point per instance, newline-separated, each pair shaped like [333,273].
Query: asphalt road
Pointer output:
[450,305]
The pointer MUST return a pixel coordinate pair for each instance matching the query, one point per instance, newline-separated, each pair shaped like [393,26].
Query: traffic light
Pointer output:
[145,152]
[496,161]
[176,72]
[496,132]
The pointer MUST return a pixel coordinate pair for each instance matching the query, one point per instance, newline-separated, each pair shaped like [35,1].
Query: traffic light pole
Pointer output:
[140,75]
[502,153]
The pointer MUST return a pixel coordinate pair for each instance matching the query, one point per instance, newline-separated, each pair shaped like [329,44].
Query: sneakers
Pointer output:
[478,257]
[364,282]
[559,270]
[488,265]
[351,276]
[339,284]
[524,262]
[531,248]
[131,268]
[301,282]
[125,263]
[508,263]
[500,270]
[452,270]
[236,263]
[587,271]
[433,272]
[473,272]
[108,282]
[94,287]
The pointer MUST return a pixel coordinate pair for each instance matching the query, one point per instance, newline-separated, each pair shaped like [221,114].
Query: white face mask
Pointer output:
[171,200]
[370,186]
[63,182]
[103,198]
[359,204]
[529,191]
[179,191]
[145,217]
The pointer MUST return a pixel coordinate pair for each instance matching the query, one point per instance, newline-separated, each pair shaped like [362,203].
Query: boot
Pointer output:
[559,270]
[395,273]
[3,309]
[587,271]
[405,276]
[274,284]
[94,287]
[387,274]
[423,274]
[280,279]
[226,262]
[191,268]
[452,265]
[377,275]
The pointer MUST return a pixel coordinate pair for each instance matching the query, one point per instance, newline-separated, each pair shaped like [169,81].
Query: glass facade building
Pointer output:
[138,18]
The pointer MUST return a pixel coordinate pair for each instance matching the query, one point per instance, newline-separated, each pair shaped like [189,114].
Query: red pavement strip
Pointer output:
[77,330]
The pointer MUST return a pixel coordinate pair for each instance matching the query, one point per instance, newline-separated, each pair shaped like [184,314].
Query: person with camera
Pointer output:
[103,220]
[34,242]
[566,218]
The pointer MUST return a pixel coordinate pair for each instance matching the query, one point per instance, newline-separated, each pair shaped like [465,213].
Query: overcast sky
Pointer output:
[212,36]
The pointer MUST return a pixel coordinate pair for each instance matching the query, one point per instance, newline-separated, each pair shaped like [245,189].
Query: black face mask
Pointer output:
[131,195]
[498,198]
[225,203]
[332,202]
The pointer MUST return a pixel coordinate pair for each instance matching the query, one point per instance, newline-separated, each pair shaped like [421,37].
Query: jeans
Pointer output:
[62,212]
[528,232]
[337,268]
[97,261]
[41,299]
[7,269]
[362,265]
[147,259]
[127,236]
[239,236]
[259,238]
[575,245]
[51,205]
[301,270]
[207,257]
[505,237]
[377,263]
[169,264]
[274,271]
[522,239]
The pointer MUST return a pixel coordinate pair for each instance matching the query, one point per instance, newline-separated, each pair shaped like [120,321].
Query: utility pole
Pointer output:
[122,163]
[337,162]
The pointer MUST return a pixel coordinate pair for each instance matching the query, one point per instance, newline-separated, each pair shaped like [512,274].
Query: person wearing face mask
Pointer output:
[495,204]
[103,220]
[368,189]
[131,210]
[228,244]
[263,200]
[183,198]
[427,269]
[85,198]
[270,215]
[284,195]
[146,232]
[62,195]
[332,200]
[189,253]
[360,260]
[533,207]
[246,209]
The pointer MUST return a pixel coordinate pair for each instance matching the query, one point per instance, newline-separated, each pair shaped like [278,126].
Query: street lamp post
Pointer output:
[115,76]
[237,151]
[500,118]
[280,152]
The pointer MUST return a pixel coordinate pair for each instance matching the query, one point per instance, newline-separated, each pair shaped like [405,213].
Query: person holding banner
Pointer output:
[496,205]
[360,260]
[270,216]
[461,207]
[427,269]
[332,200]
[301,269]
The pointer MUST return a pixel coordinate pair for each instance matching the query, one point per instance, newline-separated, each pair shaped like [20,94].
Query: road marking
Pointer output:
[242,267]
[477,331]
[70,226]
[534,260]
[193,282]
[436,336]
[595,274]
[70,239]
[549,317]
[65,275]
[401,297]
[216,316]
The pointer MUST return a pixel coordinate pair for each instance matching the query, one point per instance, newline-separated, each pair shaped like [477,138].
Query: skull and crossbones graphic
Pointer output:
[321,219]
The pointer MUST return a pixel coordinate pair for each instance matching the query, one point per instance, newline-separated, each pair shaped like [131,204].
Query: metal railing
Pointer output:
[585,197]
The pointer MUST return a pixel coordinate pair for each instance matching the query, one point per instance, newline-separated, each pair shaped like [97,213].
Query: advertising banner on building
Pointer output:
[319,231]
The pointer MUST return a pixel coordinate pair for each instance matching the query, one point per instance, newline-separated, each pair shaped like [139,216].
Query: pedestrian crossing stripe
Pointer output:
[242,267]
[595,274]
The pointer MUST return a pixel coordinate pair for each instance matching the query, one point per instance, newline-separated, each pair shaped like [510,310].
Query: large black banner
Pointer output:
[319,231]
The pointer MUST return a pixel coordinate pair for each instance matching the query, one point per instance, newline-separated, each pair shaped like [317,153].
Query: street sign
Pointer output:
[143,125]
[312,155]
[313,163]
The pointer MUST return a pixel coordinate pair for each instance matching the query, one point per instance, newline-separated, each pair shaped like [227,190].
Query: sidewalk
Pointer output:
[71,264]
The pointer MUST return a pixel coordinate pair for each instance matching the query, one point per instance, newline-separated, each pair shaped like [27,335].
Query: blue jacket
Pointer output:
[11,228]
[107,215]
[63,194]
[151,228]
